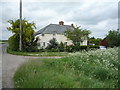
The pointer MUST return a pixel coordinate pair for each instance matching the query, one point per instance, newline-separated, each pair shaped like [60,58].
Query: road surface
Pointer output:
[10,63]
[0,66]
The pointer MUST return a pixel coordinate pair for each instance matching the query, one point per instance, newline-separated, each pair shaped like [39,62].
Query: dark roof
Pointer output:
[54,29]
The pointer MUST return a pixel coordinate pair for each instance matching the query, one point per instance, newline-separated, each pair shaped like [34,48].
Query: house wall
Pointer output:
[43,39]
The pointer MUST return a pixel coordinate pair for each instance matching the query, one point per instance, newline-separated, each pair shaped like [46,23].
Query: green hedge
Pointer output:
[80,48]
[14,42]
[93,47]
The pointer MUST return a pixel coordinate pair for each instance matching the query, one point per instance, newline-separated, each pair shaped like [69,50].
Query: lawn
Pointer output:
[92,69]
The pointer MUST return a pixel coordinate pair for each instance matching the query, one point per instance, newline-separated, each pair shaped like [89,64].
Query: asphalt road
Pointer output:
[0,66]
[10,63]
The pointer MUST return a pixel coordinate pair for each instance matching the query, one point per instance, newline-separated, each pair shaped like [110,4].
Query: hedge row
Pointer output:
[80,48]
[71,48]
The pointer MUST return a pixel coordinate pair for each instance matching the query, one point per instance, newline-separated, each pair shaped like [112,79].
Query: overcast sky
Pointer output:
[98,16]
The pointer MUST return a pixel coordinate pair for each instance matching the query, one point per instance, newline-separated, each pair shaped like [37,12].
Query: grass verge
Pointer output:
[37,53]
[92,69]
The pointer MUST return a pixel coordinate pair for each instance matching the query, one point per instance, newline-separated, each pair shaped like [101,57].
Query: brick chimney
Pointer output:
[61,23]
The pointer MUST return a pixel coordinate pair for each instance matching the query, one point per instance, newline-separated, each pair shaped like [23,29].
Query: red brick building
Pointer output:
[104,42]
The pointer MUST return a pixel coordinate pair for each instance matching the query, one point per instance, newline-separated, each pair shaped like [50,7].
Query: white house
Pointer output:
[55,31]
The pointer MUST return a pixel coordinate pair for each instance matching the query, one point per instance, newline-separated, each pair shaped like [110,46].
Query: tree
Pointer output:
[94,40]
[61,47]
[52,44]
[77,35]
[113,38]
[27,32]
[13,42]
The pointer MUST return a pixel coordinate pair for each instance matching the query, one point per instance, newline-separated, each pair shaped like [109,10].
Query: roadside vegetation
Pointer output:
[39,54]
[3,41]
[92,69]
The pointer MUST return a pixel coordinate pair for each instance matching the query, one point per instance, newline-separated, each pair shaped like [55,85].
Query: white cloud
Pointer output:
[60,0]
[98,16]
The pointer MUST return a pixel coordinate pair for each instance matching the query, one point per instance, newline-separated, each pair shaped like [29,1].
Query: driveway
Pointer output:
[10,63]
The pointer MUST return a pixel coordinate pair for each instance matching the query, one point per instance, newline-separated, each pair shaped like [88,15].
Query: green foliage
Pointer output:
[30,46]
[61,47]
[3,40]
[90,47]
[95,41]
[14,42]
[92,69]
[52,44]
[77,35]
[72,48]
[101,73]
[27,34]
[113,38]
[39,53]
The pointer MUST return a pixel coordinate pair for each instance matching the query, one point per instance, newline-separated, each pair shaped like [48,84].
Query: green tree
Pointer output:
[94,40]
[53,44]
[61,47]
[27,32]
[113,38]
[77,35]
[13,42]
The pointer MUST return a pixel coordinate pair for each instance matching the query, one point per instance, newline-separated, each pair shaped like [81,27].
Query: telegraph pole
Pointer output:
[20,41]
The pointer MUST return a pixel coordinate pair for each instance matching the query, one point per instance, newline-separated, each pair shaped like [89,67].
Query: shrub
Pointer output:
[61,47]
[72,48]
[52,50]
[93,47]
[30,47]
[69,48]
[52,44]
[13,42]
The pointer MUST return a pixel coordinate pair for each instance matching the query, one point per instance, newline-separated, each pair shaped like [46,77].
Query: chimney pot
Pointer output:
[61,23]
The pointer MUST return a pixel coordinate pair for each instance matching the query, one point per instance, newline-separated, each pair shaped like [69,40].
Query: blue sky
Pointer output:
[98,16]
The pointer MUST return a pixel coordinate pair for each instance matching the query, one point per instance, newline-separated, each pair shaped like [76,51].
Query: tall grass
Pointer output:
[92,69]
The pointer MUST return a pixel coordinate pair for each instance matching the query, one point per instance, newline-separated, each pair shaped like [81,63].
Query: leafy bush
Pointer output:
[52,50]
[93,47]
[52,44]
[69,48]
[13,42]
[61,47]
[30,46]
[72,48]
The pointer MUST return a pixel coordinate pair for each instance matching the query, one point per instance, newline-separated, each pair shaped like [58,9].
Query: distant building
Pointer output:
[54,31]
[104,42]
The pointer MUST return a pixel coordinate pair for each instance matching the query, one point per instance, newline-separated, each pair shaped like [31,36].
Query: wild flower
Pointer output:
[91,69]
